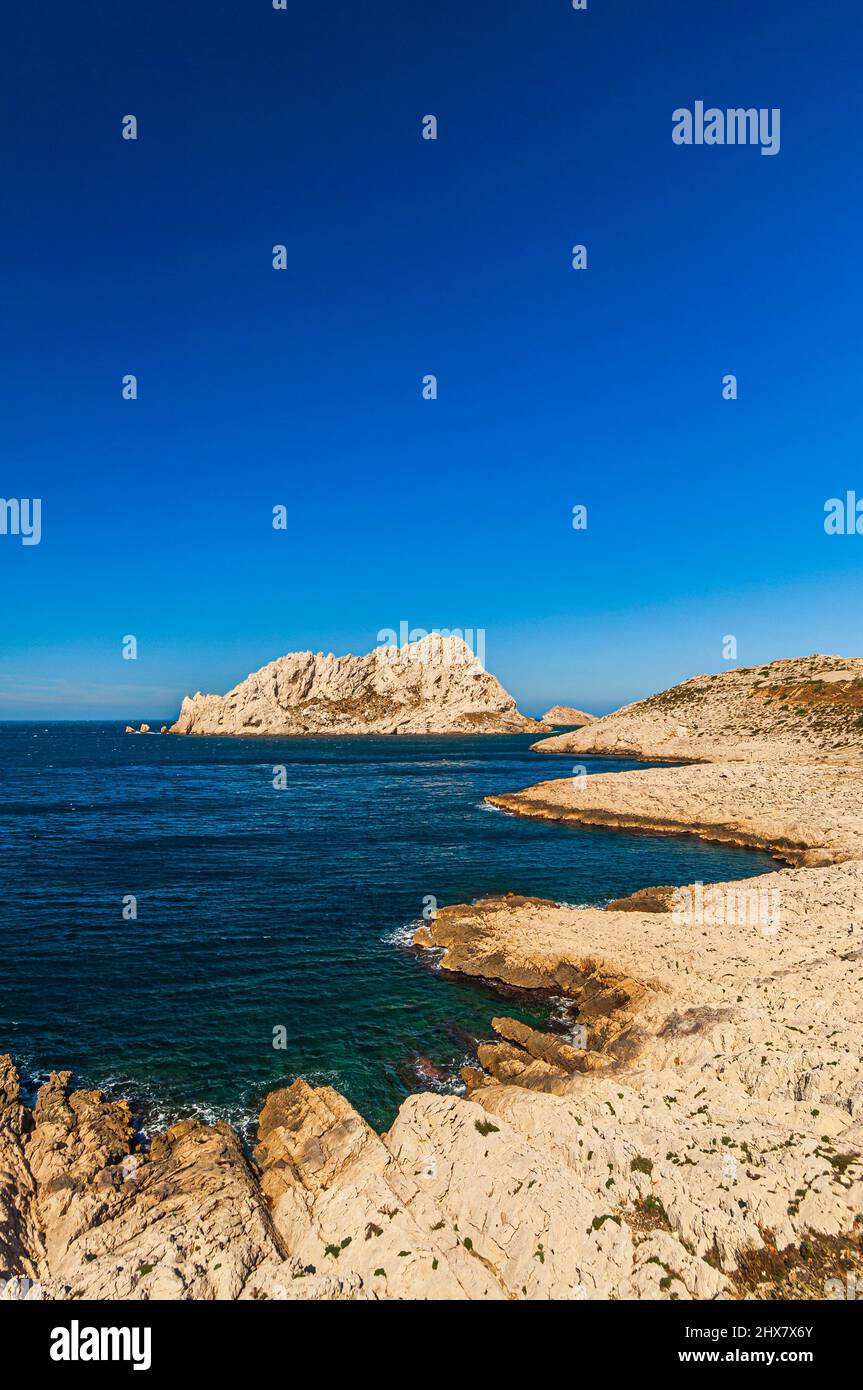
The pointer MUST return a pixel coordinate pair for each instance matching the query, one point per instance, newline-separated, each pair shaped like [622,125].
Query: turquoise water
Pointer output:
[260,908]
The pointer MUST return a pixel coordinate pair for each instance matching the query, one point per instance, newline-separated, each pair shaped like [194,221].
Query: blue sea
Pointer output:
[263,907]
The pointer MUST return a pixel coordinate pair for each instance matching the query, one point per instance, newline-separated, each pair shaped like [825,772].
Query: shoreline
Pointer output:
[696,1137]
[794,855]
[797,813]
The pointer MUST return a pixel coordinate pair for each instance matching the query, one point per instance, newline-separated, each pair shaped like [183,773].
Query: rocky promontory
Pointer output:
[435,685]
[800,813]
[802,708]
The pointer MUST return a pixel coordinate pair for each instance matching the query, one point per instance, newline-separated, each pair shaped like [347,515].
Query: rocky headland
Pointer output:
[692,1129]
[802,709]
[435,685]
[804,814]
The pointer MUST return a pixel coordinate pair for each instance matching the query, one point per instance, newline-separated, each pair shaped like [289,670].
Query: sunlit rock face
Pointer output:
[433,686]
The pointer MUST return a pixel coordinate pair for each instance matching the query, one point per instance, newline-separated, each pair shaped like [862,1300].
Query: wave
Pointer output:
[403,936]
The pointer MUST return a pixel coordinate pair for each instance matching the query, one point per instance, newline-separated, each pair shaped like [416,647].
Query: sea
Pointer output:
[190,922]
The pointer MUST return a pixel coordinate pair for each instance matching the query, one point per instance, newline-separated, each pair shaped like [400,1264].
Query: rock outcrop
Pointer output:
[565,714]
[84,1212]
[802,709]
[433,686]
[714,1104]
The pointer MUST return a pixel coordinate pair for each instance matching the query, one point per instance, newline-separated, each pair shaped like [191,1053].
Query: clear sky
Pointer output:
[302,387]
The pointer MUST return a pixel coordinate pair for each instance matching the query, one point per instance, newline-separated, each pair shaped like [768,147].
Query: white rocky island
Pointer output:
[567,715]
[432,686]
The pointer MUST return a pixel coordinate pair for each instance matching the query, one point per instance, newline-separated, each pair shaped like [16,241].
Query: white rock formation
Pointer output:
[566,714]
[433,686]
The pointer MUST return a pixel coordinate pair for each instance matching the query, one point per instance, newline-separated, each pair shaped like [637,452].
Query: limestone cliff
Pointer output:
[433,686]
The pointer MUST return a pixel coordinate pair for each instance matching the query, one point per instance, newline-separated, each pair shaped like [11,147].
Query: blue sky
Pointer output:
[408,257]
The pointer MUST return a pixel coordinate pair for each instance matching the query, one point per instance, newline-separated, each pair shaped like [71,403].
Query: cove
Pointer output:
[263,909]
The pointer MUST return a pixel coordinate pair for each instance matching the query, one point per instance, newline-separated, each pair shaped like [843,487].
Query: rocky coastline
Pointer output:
[697,1133]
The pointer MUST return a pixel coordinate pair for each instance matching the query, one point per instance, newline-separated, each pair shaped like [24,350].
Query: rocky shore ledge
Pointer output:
[696,1133]
[802,814]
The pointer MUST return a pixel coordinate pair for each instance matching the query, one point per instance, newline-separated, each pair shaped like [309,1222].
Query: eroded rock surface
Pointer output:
[720,1098]
[433,686]
[87,1214]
